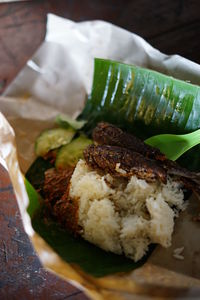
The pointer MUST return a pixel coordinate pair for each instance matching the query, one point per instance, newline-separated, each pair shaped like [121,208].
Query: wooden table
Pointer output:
[171,26]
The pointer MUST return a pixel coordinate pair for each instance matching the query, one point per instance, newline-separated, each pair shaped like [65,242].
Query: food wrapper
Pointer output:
[57,79]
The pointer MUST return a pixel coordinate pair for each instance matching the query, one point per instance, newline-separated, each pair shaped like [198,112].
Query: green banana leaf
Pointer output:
[143,102]
[34,199]
[88,257]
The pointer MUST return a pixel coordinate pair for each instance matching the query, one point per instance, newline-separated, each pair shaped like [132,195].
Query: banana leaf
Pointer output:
[76,251]
[143,102]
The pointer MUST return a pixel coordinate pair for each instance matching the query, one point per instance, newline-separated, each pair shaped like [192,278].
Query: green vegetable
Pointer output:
[66,121]
[69,154]
[141,101]
[53,138]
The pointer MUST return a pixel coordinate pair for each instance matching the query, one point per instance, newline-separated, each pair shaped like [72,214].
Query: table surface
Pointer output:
[170,26]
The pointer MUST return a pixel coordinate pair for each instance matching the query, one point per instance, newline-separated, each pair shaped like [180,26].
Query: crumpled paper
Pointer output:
[57,79]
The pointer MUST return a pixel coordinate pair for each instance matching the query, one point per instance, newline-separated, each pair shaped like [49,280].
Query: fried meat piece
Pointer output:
[108,134]
[56,183]
[66,210]
[57,200]
[123,162]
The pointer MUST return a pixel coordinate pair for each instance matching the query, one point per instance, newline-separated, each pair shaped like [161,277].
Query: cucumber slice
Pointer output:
[53,138]
[66,121]
[69,154]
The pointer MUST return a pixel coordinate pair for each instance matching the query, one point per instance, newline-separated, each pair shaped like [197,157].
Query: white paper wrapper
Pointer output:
[58,79]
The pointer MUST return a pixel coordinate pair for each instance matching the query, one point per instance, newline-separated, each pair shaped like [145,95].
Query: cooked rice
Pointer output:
[125,216]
